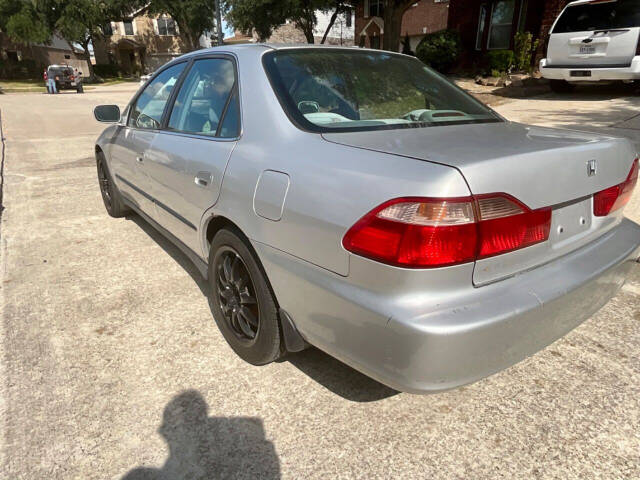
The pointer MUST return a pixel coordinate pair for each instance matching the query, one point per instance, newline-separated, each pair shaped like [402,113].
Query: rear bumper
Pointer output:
[598,73]
[417,344]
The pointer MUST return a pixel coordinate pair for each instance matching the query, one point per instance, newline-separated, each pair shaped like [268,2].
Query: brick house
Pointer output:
[492,24]
[19,60]
[341,33]
[140,43]
[424,16]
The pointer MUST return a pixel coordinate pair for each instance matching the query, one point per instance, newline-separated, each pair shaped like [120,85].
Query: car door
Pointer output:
[136,137]
[188,157]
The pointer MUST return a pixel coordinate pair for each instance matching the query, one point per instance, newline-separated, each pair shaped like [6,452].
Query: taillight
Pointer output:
[418,232]
[506,225]
[616,197]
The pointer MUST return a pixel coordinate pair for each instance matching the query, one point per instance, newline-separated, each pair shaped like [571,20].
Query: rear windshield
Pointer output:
[60,71]
[353,90]
[599,16]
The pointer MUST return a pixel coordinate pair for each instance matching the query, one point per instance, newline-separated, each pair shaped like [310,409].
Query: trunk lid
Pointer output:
[541,167]
[595,33]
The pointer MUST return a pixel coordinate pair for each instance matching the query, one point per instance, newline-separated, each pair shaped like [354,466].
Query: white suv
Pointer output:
[593,40]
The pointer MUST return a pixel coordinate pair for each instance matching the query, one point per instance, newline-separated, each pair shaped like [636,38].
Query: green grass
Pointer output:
[31,85]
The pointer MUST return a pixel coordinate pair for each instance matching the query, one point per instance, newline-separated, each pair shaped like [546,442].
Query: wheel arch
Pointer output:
[292,340]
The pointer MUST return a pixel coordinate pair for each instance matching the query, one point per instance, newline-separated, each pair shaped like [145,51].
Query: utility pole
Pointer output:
[219,24]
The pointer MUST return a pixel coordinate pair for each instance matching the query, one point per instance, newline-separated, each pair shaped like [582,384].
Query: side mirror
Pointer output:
[107,113]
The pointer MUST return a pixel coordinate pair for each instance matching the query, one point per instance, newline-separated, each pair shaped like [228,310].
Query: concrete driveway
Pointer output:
[112,367]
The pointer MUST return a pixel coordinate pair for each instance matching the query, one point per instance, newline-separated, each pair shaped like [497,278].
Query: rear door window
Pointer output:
[589,17]
[206,99]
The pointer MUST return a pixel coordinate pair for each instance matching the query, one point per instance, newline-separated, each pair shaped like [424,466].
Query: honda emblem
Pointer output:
[591,168]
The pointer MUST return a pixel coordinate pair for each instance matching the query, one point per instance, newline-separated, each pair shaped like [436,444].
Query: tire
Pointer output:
[110,194]
[241,301]
[561,86]
[80,89]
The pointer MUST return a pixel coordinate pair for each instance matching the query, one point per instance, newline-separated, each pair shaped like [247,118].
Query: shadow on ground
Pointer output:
[322,368]
[203,447]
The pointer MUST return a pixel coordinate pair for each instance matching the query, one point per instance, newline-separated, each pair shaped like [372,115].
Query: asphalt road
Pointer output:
[111,365]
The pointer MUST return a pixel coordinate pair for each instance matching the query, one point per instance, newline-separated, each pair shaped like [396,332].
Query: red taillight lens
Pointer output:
[416,232]
[425,232]
[616,197]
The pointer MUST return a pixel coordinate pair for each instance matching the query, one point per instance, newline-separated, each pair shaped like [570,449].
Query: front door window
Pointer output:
[148,109]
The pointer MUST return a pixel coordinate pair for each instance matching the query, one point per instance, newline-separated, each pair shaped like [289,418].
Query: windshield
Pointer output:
[331,89]
[588,17]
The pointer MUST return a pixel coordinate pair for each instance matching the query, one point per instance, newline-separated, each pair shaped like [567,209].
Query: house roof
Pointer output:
[239,38]
[376,20]
[60,43]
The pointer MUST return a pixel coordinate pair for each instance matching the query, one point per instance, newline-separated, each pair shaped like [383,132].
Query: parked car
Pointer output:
[593,40]
[357,201]
[65,78]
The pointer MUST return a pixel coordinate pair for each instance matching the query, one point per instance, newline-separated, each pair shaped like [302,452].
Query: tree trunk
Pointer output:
[87,54]
[392,25]
[331,22]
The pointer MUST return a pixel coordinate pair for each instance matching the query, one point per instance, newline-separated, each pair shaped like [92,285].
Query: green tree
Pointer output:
[83,21]
[392,16]
[77,21]
[194,17]
[27,21]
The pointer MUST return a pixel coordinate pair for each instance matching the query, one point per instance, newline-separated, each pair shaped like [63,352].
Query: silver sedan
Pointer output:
[357,201]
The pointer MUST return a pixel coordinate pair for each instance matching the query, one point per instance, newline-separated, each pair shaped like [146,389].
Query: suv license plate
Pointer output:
[580,73]
[587,50]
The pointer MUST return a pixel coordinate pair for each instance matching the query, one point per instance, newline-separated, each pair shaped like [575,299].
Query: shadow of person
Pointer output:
[202,447]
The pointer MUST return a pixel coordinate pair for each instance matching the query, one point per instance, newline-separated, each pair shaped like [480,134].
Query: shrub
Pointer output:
[500,60]
[439,50]
[106,70]
[406,46]
[524,46]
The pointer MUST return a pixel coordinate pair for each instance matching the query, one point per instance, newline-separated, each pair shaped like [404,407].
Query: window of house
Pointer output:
[206,103]
[128,27]
[501,24]
[149,106]
[376,8]
[347,16]
[166,26]
[482,21]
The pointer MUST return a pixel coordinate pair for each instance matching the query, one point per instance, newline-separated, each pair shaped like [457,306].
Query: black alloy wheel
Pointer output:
[105,184]
[111,198]
[236,295]
[241,299]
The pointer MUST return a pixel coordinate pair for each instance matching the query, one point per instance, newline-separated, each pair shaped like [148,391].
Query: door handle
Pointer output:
[139,159]
[202,179]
